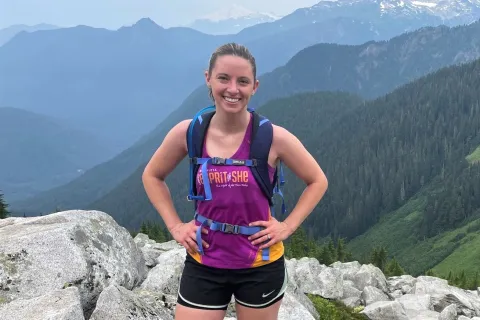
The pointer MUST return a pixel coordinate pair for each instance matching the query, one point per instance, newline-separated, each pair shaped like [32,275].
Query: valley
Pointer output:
[386,101]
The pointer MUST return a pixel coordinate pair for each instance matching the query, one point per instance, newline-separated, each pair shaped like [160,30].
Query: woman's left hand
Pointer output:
[274,232]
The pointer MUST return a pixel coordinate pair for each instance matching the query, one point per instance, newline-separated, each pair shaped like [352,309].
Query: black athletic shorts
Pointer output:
[204,287]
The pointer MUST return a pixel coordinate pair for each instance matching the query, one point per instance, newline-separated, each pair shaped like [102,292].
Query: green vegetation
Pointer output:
[474,157]
[335,310]
[4,213]
[155,231]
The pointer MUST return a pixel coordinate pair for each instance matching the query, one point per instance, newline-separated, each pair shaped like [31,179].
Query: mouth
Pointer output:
[231,100]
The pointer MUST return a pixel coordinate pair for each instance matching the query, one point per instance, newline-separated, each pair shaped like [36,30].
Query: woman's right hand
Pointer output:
[185,234]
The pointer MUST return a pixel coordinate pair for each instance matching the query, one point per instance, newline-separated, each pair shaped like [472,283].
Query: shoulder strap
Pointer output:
[261,141]
[195,139]
[262,138]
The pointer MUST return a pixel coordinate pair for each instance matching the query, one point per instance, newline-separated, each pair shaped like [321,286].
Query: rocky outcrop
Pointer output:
[82,265]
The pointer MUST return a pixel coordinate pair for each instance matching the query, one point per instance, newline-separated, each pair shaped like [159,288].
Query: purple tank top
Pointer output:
[236,199]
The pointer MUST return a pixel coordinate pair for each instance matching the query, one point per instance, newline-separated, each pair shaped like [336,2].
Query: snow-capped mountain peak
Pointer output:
[444,9]
[235,11]
[230,19]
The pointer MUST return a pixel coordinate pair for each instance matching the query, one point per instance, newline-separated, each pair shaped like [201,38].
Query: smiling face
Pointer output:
[232,82]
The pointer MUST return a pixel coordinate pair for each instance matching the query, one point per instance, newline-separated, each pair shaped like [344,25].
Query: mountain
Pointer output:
[408,161]
[369,70]
[230,20]
[405,15]
[436,217]
[120,84]
[39,153]
[8,33]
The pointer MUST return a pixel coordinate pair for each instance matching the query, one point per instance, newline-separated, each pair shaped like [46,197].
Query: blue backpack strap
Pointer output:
[195,139]
[262,137]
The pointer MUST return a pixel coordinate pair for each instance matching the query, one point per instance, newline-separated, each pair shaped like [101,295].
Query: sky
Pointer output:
[112,14]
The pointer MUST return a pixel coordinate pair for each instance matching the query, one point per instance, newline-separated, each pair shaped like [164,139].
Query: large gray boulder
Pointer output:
[85,249]
[81,265]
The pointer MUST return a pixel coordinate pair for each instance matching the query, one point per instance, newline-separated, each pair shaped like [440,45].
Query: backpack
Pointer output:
[261,141]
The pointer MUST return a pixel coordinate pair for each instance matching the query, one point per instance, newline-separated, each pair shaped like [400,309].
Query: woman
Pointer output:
[232,264]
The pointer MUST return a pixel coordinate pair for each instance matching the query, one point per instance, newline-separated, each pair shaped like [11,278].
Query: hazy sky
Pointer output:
[115,13]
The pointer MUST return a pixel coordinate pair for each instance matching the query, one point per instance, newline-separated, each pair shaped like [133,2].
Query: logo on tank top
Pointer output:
[225,178]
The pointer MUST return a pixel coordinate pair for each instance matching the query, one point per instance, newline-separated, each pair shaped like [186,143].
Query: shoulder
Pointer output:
[281,135]
[284,142]
[180,129]
[178,133]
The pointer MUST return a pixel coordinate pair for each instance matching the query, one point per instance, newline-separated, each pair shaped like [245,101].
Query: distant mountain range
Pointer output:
[8,33]
[120,84]
[230,20]
[405,15]
[370,70]
[39,153]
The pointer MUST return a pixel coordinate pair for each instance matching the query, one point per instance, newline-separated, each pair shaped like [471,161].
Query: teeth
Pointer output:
[231,100]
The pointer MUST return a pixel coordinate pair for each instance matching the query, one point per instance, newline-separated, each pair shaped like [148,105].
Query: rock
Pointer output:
[86,249]
[330,283]
[396,294]
[443,295]
[369,275]
[165,276]
[304,273]
[403,283]
[116,302]
[59,304]
[347,269]
[293,309]
[82,265]
[385,310]
[351,295]
[449,313]
[424,315]
[371,295]
[414,304]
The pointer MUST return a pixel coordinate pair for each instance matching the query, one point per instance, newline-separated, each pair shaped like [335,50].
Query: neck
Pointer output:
[231,122]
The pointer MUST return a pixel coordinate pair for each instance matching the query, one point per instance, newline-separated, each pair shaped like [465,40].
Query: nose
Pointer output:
[232,87]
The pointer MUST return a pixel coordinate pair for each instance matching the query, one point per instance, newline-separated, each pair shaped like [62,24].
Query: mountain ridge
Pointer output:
[316,73]
[39,152]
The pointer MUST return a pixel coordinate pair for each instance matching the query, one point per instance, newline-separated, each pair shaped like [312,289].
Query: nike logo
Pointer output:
[266,295]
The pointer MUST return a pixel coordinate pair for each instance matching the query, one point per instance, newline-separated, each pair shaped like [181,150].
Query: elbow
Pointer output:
[147,174]
[322,183]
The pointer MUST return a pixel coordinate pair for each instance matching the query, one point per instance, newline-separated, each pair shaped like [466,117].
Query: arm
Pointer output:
[172,150]
[292,152]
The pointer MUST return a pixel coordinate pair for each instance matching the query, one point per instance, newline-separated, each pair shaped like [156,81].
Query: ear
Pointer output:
[255,86]
[207,78]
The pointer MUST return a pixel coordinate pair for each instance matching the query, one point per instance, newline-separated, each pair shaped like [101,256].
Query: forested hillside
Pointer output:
[40,152]
[377,155]
[369,70]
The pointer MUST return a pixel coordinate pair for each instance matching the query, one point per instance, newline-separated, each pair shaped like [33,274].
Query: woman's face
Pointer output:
[232,83]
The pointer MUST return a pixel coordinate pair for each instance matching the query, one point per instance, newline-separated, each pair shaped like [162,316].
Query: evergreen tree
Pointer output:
[332,250]
[326,256]
[341,254]
[393,268]
[4,213]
